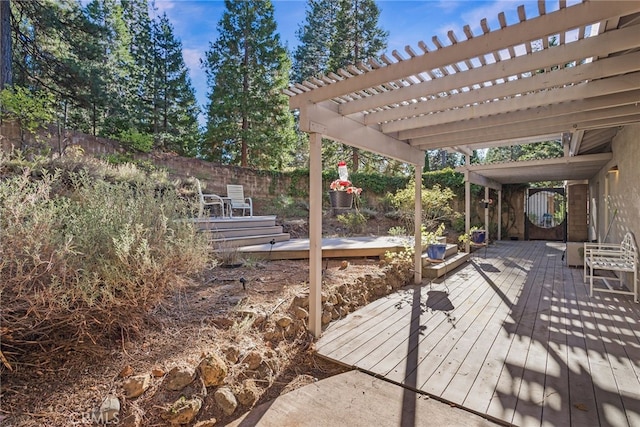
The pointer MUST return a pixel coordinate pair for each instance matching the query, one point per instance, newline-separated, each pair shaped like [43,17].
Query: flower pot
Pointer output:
[436,250]
[341,201]
[478,236]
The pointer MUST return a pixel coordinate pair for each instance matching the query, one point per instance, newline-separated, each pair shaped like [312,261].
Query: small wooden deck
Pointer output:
[512,335]
[339,247]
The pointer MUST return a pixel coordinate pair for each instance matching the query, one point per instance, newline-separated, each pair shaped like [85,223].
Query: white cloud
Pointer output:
[192,57]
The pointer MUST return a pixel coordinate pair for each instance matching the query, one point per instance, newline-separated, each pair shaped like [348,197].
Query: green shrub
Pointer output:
[84,260]
[436,206]
[354,222]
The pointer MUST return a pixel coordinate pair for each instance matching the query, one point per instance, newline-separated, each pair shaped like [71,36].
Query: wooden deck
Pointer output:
[513,335]
[338,247]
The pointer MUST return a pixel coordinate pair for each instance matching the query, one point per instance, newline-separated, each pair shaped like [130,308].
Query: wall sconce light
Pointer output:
[613,169]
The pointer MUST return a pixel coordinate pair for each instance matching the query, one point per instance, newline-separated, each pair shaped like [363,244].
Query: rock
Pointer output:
[259,319]
[232,354]
[135,386]
[182,411]
[226,400]
[249,393]
[301,300]
[253,360]
[284,321]
[206,423]
[327,306]
[213,370]
[108,411]
[127,371]
[179,377]
[333,299]
[335,315]
[344,264]
[300,313]
[326,317]
[157,372]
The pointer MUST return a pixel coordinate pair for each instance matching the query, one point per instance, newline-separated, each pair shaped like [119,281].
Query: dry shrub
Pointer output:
[84,260]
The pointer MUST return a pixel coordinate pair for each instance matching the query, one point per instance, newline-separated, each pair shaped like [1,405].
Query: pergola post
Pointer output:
[467,203]
[486,212]
[315,234]
[499,214]
[417,277]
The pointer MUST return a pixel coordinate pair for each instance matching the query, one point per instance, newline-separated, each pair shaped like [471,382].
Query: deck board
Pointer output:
[513,334]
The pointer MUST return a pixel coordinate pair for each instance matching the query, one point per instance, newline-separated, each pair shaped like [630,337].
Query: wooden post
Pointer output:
[499,214]
[315,234]
[417,275]
[467,203]
[486,213]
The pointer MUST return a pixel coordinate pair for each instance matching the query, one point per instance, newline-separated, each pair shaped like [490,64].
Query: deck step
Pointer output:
[234,242]
[217,223]
[432,270]
[227,233]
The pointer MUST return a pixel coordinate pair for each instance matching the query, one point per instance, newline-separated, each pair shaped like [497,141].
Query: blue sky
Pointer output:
[407,21]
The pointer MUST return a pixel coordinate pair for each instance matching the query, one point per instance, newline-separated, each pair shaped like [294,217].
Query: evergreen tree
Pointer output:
[114,103]
[311,56]
[6,71]
[357,36]
[249,122]
[336,34]
[175,110]
[535,151]
[53,48]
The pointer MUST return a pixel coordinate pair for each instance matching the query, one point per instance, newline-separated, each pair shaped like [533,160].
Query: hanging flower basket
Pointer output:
[340,201]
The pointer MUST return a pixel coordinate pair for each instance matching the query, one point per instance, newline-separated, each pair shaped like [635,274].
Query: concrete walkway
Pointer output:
[357,399]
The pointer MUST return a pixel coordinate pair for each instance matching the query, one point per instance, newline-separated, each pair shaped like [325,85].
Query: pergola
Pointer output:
[572,75]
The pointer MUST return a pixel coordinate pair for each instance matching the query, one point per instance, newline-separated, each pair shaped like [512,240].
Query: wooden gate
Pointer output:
[545,214]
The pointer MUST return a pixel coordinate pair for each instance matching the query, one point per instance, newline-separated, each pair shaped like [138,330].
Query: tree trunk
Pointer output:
[6,74]
[355,158]
[245,90]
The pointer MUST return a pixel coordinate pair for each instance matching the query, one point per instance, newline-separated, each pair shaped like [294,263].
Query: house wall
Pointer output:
[616,195]
[577,197]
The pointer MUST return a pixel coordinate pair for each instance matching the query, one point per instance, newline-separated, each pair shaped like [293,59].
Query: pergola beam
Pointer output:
[593,70]
[603,44]
[352,132]
[553,118]
[579,121]
[600,92]
[475,178]
[536,28]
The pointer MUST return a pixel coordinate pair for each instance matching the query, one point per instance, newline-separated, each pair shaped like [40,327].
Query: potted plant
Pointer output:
[476,235]
[342,191]
[432,240]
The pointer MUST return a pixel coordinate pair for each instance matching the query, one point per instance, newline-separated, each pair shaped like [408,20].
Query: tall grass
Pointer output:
[83,260]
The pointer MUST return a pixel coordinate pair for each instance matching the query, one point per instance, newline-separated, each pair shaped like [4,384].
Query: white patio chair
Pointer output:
[235,195]
[209,200]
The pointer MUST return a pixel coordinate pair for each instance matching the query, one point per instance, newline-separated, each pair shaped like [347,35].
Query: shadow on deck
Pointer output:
[513,336]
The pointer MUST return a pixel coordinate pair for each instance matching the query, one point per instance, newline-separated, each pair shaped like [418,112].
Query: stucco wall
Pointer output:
[616,195]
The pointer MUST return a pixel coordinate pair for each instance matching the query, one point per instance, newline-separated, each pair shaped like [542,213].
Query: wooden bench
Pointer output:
[618,258]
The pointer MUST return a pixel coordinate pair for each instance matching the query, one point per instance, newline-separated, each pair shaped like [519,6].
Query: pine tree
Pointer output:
[175,118]
[311,56]
[113,104]
[337,34]
[249,122]
[6,71]
[357,36]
